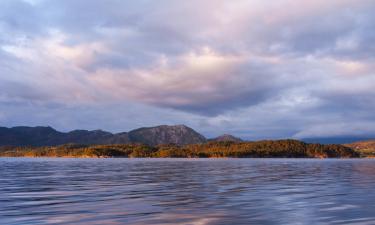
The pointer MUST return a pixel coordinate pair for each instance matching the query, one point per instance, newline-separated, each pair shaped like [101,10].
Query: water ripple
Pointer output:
[186,191]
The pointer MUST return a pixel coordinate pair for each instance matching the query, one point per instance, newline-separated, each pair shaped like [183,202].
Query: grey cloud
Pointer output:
[19,18]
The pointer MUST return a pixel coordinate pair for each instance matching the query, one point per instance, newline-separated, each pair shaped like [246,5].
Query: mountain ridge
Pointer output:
[225,138]
[48,136]
[156,135]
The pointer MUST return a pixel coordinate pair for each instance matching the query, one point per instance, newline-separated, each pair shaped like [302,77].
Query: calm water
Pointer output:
[186,191]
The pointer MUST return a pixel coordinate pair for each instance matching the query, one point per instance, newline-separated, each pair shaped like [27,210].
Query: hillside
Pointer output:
[259,149]
[365,148]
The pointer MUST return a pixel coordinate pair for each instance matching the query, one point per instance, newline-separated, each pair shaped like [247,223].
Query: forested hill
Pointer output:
[364,148]
[259,149]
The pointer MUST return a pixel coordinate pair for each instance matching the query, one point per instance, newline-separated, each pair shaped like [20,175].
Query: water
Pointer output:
[186,191]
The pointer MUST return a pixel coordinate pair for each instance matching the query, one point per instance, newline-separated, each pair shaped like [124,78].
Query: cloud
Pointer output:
[258,69]
[202,81]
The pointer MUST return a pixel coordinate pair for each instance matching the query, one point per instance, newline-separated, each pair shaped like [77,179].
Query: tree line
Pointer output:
[257,149]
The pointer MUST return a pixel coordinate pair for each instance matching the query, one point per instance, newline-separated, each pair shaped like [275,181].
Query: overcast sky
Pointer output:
[256,69]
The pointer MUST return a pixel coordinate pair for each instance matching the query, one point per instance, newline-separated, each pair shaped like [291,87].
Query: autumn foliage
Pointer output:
[258,149]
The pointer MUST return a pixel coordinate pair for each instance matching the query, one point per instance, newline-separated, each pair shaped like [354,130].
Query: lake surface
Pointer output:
[186,191]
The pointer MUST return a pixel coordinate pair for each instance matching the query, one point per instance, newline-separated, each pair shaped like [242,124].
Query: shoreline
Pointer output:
[259,149]
[192,158]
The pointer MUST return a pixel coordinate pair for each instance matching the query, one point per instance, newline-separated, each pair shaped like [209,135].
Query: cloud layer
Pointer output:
[259,70]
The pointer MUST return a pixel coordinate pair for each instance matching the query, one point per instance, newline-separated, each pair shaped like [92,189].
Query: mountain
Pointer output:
[34,136]
[94,137]
[226,138]
[179,134]
[120,138]
[47,136]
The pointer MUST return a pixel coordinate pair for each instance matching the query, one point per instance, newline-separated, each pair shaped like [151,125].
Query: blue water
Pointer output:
[186,191]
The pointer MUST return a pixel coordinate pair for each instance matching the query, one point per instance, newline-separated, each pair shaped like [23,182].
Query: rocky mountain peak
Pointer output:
[164,134]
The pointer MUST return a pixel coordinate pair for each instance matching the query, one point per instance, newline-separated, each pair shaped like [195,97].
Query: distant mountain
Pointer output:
[120,138]
[47,136]
[335,140]
[226,137]
[179,134]
[28,136]
[94,137]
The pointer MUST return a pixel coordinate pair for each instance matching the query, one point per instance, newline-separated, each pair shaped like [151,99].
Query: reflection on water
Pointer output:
[186,191]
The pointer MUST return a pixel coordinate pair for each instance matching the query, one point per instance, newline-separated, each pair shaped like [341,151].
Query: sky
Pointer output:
[252,68]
